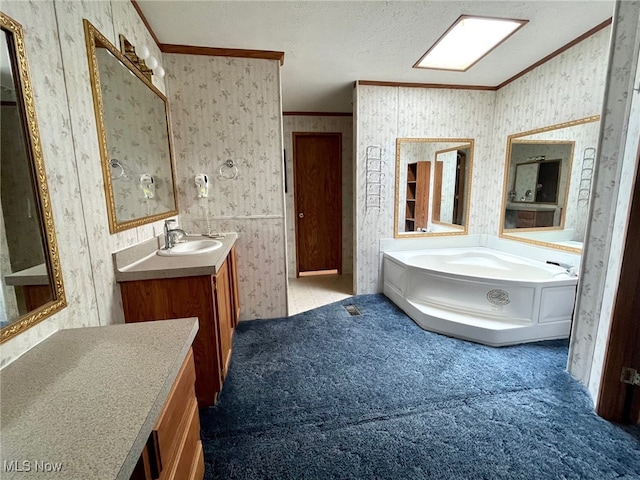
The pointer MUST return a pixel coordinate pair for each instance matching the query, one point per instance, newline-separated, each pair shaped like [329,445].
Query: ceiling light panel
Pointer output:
[468,40]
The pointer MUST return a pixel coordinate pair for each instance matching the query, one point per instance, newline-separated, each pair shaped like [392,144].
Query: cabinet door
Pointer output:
[167,298]
[224,313]
[233,278]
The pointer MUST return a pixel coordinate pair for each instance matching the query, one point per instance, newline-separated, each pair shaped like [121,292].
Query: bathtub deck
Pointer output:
[480,295]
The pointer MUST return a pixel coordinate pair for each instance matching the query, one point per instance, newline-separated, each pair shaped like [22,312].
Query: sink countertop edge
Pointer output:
[86,359]
[140,262]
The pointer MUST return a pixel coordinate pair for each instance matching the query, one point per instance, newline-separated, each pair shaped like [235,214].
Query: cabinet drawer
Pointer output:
[190,453]
[197,469]
[175,416]
[526,215]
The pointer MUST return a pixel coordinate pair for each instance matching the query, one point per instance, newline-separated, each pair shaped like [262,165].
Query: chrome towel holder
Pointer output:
[228,170]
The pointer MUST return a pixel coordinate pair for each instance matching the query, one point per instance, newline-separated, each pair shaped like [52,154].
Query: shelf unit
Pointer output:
[417,197]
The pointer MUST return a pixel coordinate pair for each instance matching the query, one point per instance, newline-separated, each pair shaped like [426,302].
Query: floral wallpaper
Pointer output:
[585,138]
[57,57]
[449,163]
[47,76]
[612,188]
[306,123]
[137,134]
[111,19]
[386,113]
[229,109]
[568,87]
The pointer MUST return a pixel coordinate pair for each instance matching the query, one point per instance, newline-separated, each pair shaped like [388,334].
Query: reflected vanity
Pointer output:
[32,287]
[132,118]
[547,184]
[433,186]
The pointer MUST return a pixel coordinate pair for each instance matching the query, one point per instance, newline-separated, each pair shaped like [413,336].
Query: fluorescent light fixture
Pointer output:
[468,40]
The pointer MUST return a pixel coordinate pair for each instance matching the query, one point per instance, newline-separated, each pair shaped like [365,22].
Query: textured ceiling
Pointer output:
[330,44]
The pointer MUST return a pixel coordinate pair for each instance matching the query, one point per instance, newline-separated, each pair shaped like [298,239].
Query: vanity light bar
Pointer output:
[468,40]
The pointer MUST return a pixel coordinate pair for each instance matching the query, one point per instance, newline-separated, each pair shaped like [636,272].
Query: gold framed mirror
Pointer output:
[433,186]
[547,183]
[132,119]
[32,287]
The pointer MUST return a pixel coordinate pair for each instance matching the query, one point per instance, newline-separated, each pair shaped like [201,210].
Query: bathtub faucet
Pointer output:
[571,269]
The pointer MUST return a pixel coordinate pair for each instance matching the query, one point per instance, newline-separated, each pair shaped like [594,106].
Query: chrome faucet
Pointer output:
[172,235]
[571,270]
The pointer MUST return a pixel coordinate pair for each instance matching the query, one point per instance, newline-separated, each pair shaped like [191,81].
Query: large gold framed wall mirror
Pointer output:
[547,184]
[433,186]
[32,287]
[132,118]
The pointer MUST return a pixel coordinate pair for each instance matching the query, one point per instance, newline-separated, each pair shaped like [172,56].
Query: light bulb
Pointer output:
[152,63]
[159,72]
[144,52]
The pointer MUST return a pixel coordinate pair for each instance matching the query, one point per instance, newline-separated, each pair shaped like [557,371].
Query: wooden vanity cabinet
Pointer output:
[174,449]
[211,298]
[533,218]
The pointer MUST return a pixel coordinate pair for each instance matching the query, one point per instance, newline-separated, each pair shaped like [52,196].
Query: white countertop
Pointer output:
[88,398]
[36,275]
[532,206]
[141,261]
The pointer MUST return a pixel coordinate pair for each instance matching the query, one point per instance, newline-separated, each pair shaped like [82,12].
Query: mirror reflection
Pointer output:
[31,281]
[538,176]
[547,183]
[132,121]
[432,186]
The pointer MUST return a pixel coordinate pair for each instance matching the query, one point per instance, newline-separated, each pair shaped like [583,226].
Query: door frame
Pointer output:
[619,402]
[294,135]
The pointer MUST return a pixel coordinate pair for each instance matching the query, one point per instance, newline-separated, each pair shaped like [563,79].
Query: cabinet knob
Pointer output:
[301,215]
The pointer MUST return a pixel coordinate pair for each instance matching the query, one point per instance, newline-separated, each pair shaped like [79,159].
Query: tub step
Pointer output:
[473,321]
[495,333]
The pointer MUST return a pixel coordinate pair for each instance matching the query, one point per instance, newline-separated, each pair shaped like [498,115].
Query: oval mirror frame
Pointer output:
[94,39]
[34,151]
[453,230]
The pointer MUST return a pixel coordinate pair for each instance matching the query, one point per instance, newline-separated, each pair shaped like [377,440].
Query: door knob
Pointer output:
[301,215]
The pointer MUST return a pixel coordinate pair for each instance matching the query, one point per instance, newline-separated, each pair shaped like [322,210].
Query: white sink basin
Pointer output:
[194,247]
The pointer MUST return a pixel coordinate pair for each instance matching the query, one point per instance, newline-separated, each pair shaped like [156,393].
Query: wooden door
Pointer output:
[317,162]
[618,401]
[423,181]
[437,191]
[458,199]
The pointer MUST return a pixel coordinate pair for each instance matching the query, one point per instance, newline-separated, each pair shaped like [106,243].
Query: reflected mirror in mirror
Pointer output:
[547,183]
[433,178]
[539,184]
[133,130]
[32,286]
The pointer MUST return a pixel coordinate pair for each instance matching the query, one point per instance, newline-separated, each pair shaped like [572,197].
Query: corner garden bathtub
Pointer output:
[480,294]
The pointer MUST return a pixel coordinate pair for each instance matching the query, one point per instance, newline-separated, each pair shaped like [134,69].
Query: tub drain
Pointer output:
[352,310]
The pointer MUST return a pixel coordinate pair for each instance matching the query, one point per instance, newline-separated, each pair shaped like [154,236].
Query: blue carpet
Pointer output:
[325,395]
